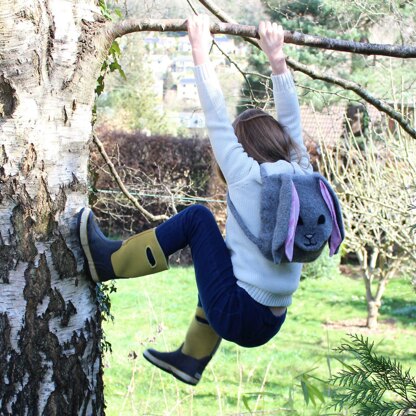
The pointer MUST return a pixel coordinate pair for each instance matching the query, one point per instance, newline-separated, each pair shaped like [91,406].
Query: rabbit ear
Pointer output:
[280,197]
[336,237]
[293,220]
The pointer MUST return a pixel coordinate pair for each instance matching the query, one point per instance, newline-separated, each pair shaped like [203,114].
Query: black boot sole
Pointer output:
[168,368]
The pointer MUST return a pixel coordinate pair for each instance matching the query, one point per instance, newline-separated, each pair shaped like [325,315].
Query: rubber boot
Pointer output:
[108,259]
[188,362]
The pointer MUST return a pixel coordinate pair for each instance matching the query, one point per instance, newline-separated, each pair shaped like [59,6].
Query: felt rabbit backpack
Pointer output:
[299,214]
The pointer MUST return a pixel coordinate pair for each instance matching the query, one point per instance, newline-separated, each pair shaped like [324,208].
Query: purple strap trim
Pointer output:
[293,220]
[335,238]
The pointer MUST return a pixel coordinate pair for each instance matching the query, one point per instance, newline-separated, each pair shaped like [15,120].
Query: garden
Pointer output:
[154,312]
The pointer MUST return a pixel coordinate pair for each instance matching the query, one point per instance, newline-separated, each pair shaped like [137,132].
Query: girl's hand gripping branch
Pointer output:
[271,42]
[200,38]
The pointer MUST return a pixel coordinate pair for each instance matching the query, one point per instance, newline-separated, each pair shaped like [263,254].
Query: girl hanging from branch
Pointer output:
[243,296]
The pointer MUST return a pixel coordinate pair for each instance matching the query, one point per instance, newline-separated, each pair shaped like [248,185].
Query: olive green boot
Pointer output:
[140,255]
[189,361]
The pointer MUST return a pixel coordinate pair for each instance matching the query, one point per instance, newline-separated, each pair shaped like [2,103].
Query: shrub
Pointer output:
[164,173]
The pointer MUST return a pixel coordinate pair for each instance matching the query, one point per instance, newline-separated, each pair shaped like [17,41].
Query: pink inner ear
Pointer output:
[293,220]
[335,238]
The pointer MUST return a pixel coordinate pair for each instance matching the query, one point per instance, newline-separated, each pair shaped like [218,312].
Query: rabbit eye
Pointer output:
[321,219]
[300,221]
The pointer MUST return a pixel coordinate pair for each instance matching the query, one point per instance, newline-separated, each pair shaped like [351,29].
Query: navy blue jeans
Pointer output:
[230,310]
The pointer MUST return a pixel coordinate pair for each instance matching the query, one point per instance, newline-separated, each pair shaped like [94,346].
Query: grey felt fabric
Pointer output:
[314,226]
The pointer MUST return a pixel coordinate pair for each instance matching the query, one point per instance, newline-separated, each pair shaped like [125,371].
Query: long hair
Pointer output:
[263,137]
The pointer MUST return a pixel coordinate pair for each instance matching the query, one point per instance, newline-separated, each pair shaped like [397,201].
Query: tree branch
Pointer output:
[244,74]
[348,85]
[360,91]
[250,33]
[296,38]
[120,183]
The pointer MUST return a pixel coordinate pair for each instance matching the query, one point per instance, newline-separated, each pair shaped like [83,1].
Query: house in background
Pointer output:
[182,64]
[226,44]
[194,121]
[157,42]
[187,90]
[183,44]
[334,122]
[326,125]
[159,64]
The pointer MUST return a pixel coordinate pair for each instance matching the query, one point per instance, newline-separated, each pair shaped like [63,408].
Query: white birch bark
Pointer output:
[49,321]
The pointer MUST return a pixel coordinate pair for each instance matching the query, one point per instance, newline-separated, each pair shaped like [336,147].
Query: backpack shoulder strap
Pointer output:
[263,172]
[241,223]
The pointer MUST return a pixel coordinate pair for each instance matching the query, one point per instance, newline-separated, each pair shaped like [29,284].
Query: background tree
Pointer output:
[374,182]
[130,102]
[360,21]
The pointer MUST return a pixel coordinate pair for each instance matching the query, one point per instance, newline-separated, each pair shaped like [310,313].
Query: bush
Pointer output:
[164,173]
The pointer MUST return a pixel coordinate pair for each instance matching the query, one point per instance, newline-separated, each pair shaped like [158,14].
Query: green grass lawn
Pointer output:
[154,311]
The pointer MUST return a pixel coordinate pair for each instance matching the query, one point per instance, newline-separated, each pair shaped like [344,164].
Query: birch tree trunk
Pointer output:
[49,321]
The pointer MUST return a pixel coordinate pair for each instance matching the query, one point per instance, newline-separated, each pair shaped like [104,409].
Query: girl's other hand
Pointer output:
[200,38]
[271,42]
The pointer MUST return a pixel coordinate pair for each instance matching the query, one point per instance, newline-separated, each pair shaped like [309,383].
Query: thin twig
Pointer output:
[252,96]
[121,185]
[192,7]
[348,85]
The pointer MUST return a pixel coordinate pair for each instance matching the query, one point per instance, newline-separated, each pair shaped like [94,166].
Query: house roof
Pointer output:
[187,81]
[328,124]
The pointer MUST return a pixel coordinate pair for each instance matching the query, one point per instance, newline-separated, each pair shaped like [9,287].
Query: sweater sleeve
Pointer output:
[288,113]
[233,161]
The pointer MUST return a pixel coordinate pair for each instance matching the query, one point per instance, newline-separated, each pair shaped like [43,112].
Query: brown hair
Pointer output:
[263,137]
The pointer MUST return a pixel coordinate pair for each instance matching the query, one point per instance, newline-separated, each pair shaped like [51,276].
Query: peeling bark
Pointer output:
[50,327]
[63,258]
[8,99]
[93,45]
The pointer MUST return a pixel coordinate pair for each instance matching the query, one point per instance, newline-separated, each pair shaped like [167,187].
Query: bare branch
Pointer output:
[250,33]
[362,48]
[371,179]
[216,11]
[178,25]
[120,183]
[244,74]
[360,91]
[349,85]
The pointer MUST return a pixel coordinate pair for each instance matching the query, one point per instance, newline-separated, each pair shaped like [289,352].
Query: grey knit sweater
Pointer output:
[266,282]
